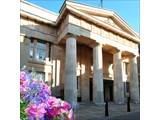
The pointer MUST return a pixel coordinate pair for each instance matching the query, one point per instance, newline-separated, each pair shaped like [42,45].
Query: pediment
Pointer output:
[106,16]
[109,21]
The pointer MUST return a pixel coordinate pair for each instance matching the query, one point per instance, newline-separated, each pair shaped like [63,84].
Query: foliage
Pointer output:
[37,102]
[23,106]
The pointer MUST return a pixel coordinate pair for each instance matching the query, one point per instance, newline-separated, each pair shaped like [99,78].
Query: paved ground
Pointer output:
[129,116]
[116,112]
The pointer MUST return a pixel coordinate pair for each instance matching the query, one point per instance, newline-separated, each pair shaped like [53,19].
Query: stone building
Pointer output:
[83,53]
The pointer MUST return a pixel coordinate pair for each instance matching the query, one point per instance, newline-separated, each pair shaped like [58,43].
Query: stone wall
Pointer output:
[84,59]
[33,28]
[58,60]
[107,61]
[24,51]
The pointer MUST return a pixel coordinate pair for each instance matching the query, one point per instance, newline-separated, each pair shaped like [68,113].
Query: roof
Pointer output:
[85,11]
[34,11]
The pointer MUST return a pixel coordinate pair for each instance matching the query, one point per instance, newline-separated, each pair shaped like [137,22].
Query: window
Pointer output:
[40,76]
[38,50]
[31,50]
[37,75]
[41,51]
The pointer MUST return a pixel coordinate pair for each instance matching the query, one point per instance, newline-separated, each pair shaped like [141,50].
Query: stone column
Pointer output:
[134,87]
[70,83]
[98,95]
[118,79]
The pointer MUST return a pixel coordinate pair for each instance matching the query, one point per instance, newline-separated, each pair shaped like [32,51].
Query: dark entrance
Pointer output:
[90,89]
[108,89]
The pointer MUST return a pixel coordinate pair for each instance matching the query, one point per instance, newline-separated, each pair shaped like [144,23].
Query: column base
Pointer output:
[119,103]
[100,104]
[135,102]
[71,97]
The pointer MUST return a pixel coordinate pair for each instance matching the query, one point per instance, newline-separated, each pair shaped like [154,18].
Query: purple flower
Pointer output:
[41,104]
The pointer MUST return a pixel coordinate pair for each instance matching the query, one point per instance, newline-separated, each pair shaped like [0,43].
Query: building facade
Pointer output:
[84,53]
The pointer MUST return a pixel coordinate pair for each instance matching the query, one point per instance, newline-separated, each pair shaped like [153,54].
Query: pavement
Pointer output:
[89,111]
[129,116]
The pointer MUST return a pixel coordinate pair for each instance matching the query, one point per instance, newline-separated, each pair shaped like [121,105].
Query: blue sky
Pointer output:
[129,10]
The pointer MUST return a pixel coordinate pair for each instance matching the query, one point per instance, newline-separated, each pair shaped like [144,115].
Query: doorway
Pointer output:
[108,89]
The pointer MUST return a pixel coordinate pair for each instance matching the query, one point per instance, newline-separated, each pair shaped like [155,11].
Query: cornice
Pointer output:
[67,5]
[107,26]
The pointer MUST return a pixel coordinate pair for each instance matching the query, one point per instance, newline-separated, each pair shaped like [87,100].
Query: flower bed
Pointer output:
[37,103]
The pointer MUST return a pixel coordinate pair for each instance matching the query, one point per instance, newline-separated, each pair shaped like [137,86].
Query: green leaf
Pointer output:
[23,106]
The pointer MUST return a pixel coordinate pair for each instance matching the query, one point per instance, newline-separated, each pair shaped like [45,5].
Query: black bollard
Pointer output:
[106,109]
[128,104]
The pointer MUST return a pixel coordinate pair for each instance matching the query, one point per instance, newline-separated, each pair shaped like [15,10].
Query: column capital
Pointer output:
[35,40]
[118,53]
[71,35]
[132,56]
[116,50]
[97,44]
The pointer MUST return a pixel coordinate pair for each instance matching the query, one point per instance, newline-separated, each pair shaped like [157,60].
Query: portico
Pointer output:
[96,64]
[99,40]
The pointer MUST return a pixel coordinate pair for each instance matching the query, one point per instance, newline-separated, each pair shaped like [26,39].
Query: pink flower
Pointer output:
[53,107]
[22,75]
[23,89]
[53,102]
[65,105]
[66,108]
[36,111]
[23,85]
[70,115]
[23,82]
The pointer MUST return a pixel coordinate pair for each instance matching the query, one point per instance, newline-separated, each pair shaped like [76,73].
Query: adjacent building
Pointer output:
[84,53]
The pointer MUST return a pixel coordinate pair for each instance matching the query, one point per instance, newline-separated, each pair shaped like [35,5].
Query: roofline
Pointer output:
[64,7]
[48,17]
[91,7]
[126,24]
[41,8]
[33,16]
[135,39]
[129,28]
